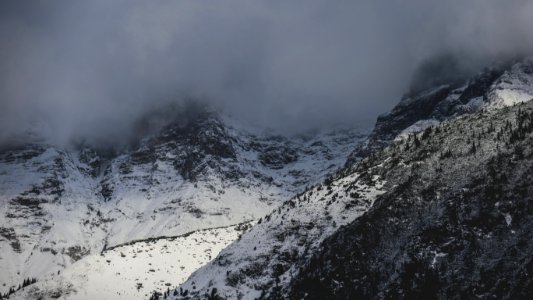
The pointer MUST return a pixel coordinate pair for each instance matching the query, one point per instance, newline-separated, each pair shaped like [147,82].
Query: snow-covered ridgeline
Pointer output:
[135,270]
[513,86]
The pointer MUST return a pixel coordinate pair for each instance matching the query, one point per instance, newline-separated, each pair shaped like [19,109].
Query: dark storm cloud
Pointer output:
[93,68]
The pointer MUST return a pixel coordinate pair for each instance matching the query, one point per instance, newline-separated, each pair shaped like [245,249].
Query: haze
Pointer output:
[92,69]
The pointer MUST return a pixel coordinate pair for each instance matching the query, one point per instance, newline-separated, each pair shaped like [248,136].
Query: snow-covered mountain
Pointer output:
[133,219]
[61,208]
[399,170]
[137,269]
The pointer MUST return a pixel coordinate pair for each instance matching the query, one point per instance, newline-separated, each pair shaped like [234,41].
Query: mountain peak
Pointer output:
[503,84]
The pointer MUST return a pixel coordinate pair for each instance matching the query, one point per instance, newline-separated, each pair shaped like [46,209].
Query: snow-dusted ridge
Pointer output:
[501,85]
[514,86]
[136,269]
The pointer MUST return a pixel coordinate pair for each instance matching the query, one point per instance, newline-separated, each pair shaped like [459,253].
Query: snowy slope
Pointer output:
[135,270]
[47,216]
[266,256]
[513,87]
[60,205]
[253,175]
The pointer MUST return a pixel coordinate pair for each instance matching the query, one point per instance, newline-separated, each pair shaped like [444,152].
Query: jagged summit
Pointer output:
[501,85]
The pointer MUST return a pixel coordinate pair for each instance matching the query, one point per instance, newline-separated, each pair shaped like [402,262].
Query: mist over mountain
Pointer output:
[92,70]
[235,149]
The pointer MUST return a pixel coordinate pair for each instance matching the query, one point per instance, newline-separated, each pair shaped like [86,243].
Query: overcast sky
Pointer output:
[92,68]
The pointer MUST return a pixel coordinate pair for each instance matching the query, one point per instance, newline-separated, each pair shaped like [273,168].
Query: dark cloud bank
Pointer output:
[92,69]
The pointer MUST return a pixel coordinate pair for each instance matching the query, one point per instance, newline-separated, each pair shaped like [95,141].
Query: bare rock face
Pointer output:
[193,145]
[276,158]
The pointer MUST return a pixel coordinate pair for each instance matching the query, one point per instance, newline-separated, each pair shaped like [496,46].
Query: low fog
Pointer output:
[92,69]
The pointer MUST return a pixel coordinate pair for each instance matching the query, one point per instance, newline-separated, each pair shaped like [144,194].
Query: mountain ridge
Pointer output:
[279,277]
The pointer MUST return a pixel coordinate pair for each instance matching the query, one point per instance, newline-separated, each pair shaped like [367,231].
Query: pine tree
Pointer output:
[427,133]
[416,142]
[473,149]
